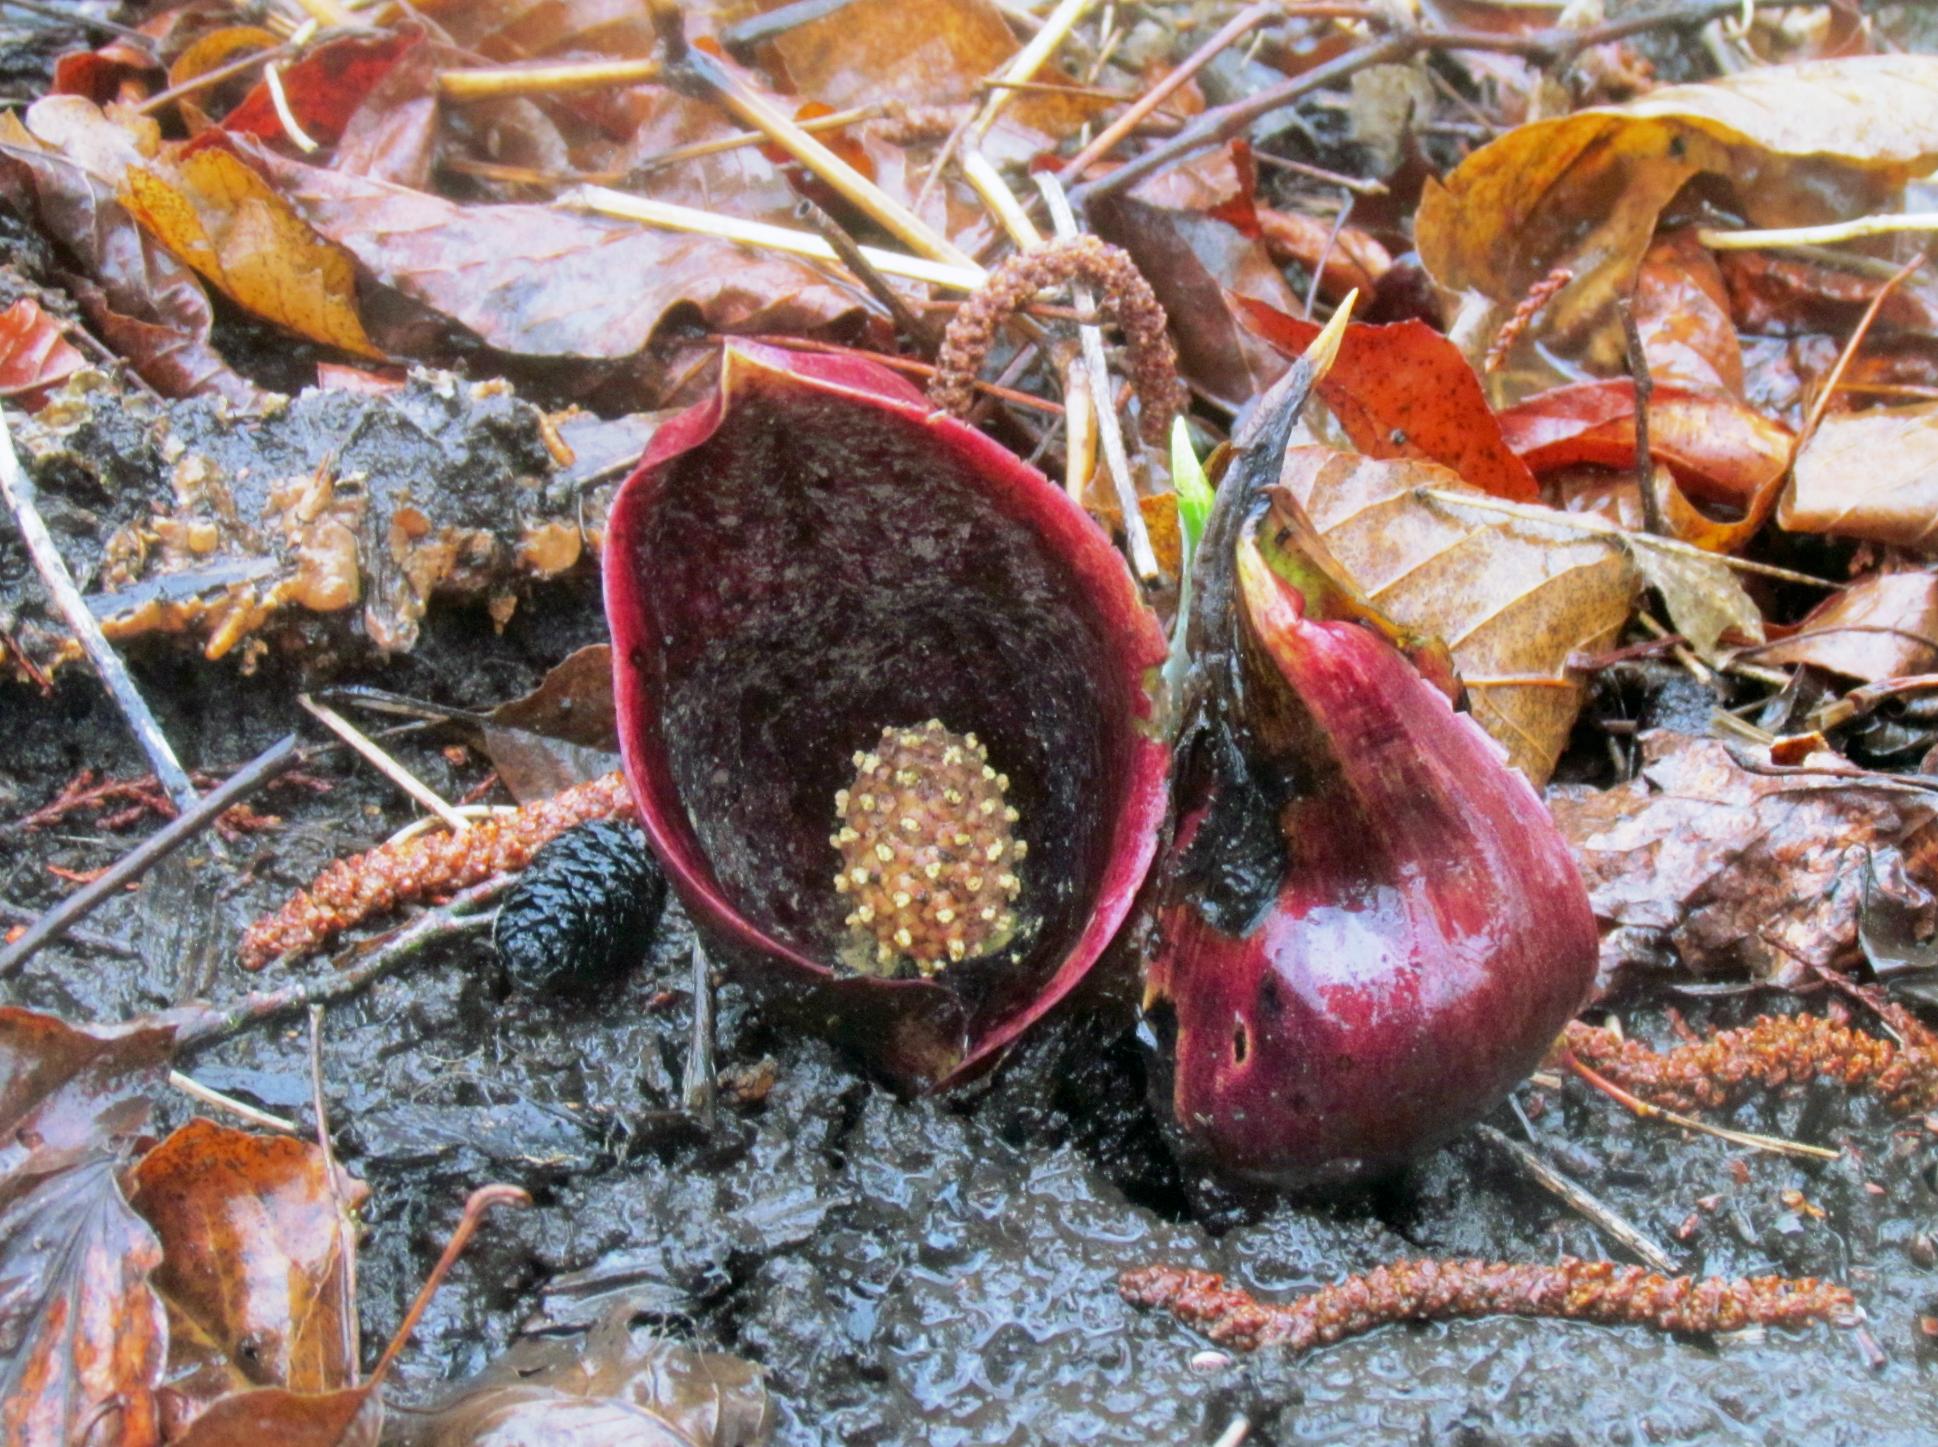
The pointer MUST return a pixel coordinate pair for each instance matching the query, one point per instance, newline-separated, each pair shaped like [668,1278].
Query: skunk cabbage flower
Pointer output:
[1367,928]
[884,706]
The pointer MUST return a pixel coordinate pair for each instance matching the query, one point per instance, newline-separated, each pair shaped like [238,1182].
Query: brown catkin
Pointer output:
[1770,1051]
[1599,1291]
[430,866]
[1126,298]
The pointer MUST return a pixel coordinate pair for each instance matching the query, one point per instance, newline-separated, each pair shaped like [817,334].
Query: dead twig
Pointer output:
[1579,1199]
[1638,370]
[52,568]
[278,757]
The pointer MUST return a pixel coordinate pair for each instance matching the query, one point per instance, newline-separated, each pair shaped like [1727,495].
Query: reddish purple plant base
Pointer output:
[815,554]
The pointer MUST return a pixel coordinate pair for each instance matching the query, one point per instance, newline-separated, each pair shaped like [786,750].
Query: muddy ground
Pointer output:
[933,1271]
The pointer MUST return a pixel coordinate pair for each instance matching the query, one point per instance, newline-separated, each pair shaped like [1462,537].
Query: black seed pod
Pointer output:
[584,911]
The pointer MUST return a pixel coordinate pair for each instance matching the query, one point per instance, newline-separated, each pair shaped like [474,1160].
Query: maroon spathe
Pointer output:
[811,555]
[1369,929]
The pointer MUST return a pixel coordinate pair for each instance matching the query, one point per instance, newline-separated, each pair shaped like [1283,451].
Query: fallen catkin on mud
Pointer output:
[1599,1291]
[428,867]
[1770,1051]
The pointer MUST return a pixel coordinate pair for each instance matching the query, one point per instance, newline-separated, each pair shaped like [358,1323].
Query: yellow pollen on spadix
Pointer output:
[928,852]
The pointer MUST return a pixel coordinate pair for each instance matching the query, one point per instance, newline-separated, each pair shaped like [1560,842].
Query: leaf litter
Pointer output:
[343,212]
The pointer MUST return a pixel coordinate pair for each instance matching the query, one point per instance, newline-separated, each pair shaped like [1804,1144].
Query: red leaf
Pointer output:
[35,355]
[1720,448]
[1403,390]
[324,88]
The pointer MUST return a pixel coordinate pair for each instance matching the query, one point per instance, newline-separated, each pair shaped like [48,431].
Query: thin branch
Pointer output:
[1580,1200]
[19,496]
[1638,370]
[277,758]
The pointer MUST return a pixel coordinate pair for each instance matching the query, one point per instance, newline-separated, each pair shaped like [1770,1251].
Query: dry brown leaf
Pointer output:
[62,168]
[257,1250]
[927,52]
[1802,143]
[1885,625]
[80,1327]
[539,281]
[1869,475]
[221,218]
[1511,600]
[1703,862]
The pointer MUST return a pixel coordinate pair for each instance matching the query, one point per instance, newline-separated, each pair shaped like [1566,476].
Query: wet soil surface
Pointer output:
[934,1271]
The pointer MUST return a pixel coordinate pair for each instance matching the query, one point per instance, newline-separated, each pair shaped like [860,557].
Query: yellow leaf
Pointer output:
[1510,600]
[1802,143]
[222,219]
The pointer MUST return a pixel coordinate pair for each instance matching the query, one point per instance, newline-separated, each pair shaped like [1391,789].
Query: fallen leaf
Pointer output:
[67,1089]
[1350,260]
[81,1332]
[80,1327]
[214,49]
[1705,600]
[35,355]
[1403,390]
[1869,475]
[1719,448]
[139,299]
[1708,864]
[1682,313]
[257,1259]
[221,218]
[618,1385]
[1802,143]
[1511,601]
[561,733]
[539,281]
[929,52]
[1885,625]
[352,1417]
[325,87]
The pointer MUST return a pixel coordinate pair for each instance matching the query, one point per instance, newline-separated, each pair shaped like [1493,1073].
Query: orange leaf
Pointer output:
[1723,450]
[223,220]
[1403,390]
[255,1266]
[35,355]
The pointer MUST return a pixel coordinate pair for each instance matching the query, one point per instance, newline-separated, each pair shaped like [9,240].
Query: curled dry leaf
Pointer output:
[1869,475]
[1717,866]
[1511,601]
[538,281]
[220,217]
[62,167]
[563,732]
[35,354]
[1404,390]
[256,1270]
[1885,625]
[1802,143]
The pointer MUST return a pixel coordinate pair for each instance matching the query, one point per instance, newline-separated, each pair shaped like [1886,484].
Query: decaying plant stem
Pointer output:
[1127,300]
[427,867]
[1598,1291]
